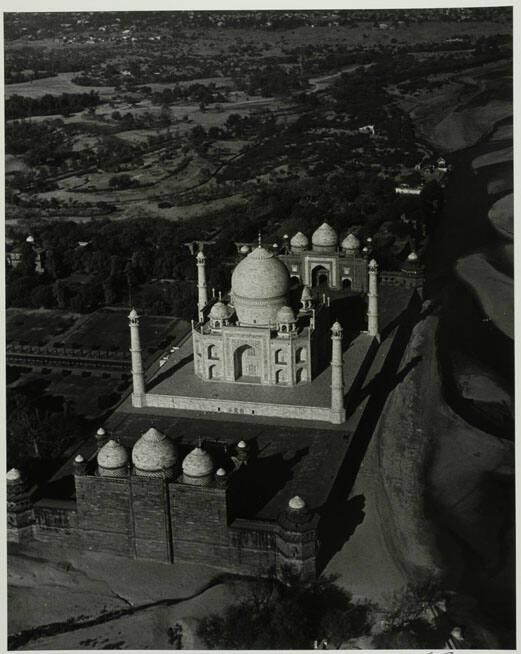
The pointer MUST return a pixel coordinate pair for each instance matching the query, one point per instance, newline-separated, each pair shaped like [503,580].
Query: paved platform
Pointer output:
[177,377]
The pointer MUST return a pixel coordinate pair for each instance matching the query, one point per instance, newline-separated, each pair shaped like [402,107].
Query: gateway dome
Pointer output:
[260,286]
[299,242]
[324,238]
[351,243]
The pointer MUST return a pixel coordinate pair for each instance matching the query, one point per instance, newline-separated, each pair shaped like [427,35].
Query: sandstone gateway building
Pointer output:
[226,454]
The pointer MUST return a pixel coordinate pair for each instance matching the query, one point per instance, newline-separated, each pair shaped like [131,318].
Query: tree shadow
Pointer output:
[171,371]
[338,522]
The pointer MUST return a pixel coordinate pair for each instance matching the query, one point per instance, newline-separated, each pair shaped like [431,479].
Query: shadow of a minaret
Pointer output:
[376,393]
[168,373]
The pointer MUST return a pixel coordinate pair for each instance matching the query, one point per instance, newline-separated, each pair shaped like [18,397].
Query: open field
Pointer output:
[107,329]
[38,326]
[55,86]
[89,395]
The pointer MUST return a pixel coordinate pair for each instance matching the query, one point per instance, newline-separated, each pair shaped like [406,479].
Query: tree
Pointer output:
[288,615]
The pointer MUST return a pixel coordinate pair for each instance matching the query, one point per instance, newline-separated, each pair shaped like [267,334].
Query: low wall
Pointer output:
[323,414]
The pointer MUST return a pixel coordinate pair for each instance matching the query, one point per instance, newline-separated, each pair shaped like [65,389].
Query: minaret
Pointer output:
[372,300]
[138,376]
[202,291]
[338,414]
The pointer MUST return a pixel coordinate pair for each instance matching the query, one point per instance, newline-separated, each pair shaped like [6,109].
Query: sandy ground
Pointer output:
[501,215]
[460,129]
[493,289]
[503,133]
[491,158]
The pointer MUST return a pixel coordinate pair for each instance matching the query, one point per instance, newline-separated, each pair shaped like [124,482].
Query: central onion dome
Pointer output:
[112,459]
[153,454]
[299,242]
[350,244]
[197,466]
[324,238]
[260,286]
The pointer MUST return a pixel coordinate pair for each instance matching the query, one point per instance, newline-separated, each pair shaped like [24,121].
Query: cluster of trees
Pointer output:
[39,143]
[298,615]
[35,432]
[292,615]
[18,106]
[270,80]
[121,259]
[193,92]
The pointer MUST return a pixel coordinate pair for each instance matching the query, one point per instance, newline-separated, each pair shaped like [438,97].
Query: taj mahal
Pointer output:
[264,336]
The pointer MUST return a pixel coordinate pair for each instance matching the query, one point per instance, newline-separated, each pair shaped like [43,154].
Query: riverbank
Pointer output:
[493,289]
[501,215]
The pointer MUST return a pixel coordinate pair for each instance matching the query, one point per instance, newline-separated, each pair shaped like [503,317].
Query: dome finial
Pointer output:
[259,239]
[220,296]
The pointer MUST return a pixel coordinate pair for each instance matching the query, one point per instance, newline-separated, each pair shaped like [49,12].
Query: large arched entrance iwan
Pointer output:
[320,277]
[246,364]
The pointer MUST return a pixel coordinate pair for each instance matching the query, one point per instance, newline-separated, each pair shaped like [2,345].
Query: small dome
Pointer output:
[306,293]
[133,314]
[369,240]
[29,239]
[112,455]
[101,432]
[336,327]
[412,257]
[242,445]
[324,237]
[286,236]
[365,250]
[79,458]
[221,472]
[200,256]
[299,240]
[244,249]
[297,503]
[220,311]
[351,242]
[285,314]
[154,452]
[14,475]
[198,463]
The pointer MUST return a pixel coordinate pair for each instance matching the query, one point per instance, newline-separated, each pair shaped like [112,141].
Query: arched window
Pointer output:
[301,355]
[212,352]
[280,356]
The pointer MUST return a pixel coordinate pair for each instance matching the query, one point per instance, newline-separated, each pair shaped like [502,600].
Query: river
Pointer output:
[479,528]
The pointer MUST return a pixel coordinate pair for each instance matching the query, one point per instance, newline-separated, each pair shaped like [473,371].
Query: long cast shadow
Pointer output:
[377,391]
[171,371]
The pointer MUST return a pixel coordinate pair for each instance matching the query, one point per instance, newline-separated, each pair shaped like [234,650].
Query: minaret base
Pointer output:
[138,401]
[337,417]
